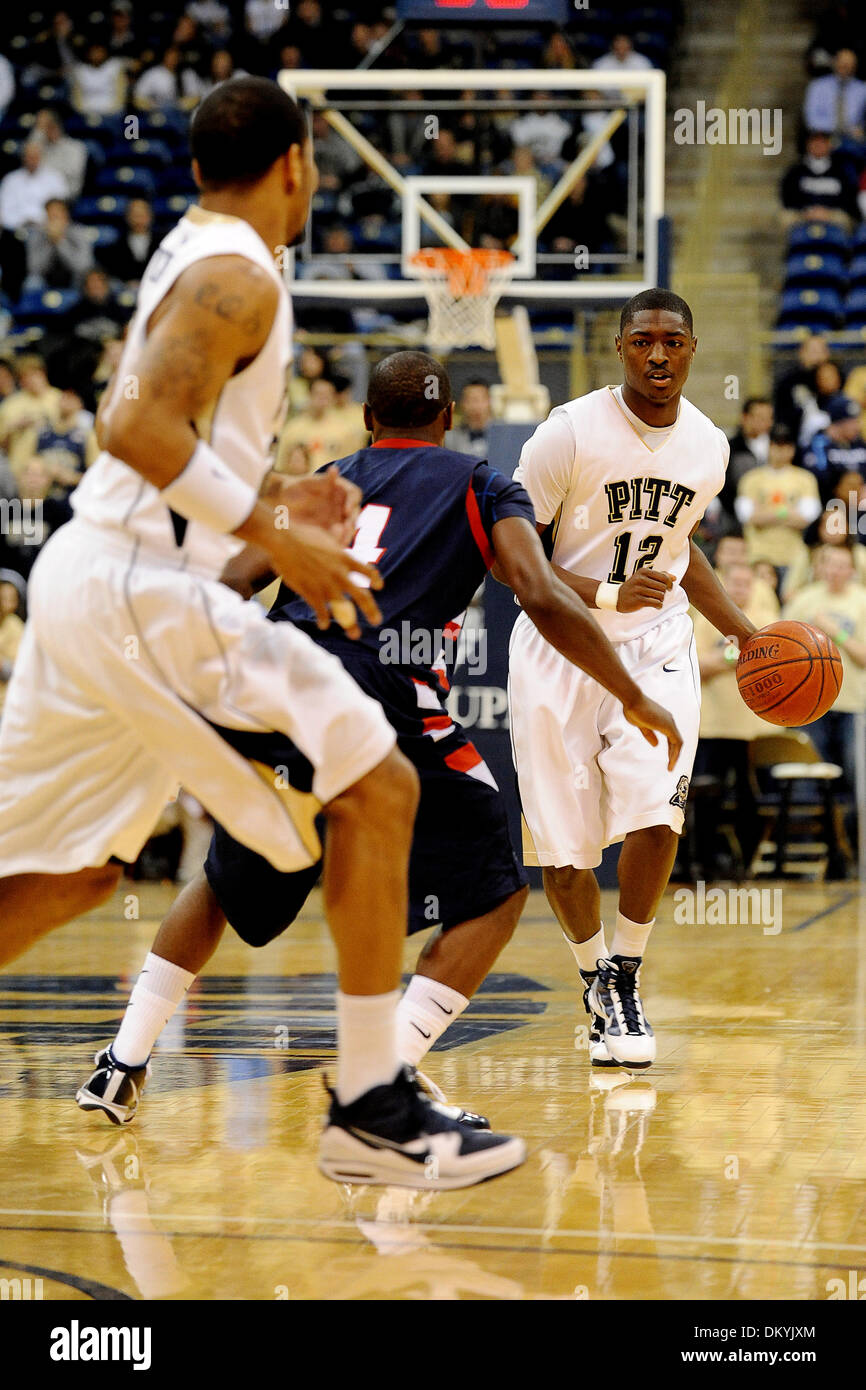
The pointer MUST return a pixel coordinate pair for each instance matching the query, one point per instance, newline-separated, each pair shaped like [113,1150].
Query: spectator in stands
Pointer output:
[798,385]
[622,57]
[337,162]
[97,315]
[97,85]
[730,549]
[836,603]
[60,152]
[213,18]
[11,628]
[559,53]
[296,461]
[524,164]
[317,40]
[442,154]
[121,36]
[543,130]
[25,191]
[836,104]
[62,447]
[820,186]
[126,258]
[186,37]
[46,513]
[222,67]
[262,19]
[831,528]
[35,404]
[749,445]
[60,252]
[8,378]
[775,503]
[325,430]
[470,435]
[311,365]
[584,219]
[167,85]
[727,724]
[828,382]
[7,85]
[839,448]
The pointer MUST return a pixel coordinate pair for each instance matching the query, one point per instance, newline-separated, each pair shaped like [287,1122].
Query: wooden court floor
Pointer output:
[733,1169]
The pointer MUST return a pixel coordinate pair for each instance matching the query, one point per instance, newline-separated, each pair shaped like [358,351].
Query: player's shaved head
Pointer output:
[655,299]
[241,128]
[408,391]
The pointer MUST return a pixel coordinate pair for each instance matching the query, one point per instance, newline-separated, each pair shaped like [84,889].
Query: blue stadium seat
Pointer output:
[858,241]
[134,183]
[35,306]
[817,236]
[855,309]
[171,209]
[100,237]
[107,210]
[820,309]
[177,179]
[857,271]
[815,270]
[143,154]
[108,130]
[170,126]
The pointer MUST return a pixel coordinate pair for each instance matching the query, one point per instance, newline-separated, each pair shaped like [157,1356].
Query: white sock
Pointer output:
[588,953]
[425,1011]
[630,938]
[159,989]
[366,1043]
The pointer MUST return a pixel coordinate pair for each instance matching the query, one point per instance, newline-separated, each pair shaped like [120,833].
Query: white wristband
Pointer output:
[208,491]
[606,596]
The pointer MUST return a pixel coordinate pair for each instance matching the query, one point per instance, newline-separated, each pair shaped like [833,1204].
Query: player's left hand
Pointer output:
[650,718]
[323,499]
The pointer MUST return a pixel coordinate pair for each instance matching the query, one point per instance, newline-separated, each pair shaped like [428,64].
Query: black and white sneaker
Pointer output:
[395,1135]
[114,1088]
[427,1086]
[599,1054]
[614,998]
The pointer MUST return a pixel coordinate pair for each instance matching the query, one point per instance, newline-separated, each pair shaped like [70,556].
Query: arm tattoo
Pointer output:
[231,307]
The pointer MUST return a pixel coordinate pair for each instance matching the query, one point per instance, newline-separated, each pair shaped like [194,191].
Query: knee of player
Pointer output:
[387,794]
[102,881]
[565,878]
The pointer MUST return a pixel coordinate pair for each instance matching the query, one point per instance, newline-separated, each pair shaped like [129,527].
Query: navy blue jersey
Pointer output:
[426,523]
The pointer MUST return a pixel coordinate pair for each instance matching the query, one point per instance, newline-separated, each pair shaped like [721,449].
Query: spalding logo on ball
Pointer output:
[789,673]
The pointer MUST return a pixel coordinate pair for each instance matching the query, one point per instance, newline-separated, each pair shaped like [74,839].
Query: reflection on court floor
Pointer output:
[733,1169]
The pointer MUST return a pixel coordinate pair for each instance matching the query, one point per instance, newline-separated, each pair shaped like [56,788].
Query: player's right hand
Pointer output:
[312,563]
[646,588]
[651,719]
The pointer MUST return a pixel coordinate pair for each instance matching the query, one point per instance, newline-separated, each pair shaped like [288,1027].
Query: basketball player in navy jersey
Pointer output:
[140,670]
[434,522]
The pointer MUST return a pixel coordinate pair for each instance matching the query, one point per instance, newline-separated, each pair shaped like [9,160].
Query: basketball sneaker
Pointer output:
[395,1135]
[614,998]
[435,1093]
[599,1054]
[114,1088]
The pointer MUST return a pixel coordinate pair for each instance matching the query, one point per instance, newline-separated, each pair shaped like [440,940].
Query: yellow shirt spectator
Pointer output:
[775,503]
[328,431]
[724,714]
[836,603]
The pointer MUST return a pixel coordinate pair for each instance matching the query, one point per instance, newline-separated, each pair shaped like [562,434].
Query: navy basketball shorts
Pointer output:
[462,863]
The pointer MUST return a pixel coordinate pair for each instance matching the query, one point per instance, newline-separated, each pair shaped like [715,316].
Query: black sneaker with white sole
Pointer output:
[114,1088]
[599,1053]
[614,997]
[395,1135]
[428,1087]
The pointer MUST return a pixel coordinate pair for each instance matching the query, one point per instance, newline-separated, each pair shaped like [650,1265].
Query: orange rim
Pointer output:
[467,271]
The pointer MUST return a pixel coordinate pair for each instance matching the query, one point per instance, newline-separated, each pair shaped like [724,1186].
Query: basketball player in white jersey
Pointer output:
[137,659]
[624,474]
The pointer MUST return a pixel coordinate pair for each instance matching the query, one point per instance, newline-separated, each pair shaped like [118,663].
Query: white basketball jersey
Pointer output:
[618,504]
[241,425]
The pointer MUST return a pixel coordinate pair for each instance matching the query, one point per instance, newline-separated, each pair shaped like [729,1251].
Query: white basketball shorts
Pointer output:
[127,671]
[587,777]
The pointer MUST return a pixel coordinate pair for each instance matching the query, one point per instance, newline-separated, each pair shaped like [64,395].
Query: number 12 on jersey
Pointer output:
[648,549]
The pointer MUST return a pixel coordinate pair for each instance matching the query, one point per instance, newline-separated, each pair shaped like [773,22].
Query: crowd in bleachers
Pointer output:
[823,193]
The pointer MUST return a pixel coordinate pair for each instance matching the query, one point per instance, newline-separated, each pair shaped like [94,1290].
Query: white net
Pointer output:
[462,289]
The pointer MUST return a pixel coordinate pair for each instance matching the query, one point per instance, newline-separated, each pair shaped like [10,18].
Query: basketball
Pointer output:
[789,673]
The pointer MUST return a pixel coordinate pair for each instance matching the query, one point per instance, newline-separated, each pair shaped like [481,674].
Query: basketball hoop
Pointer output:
[462,289]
